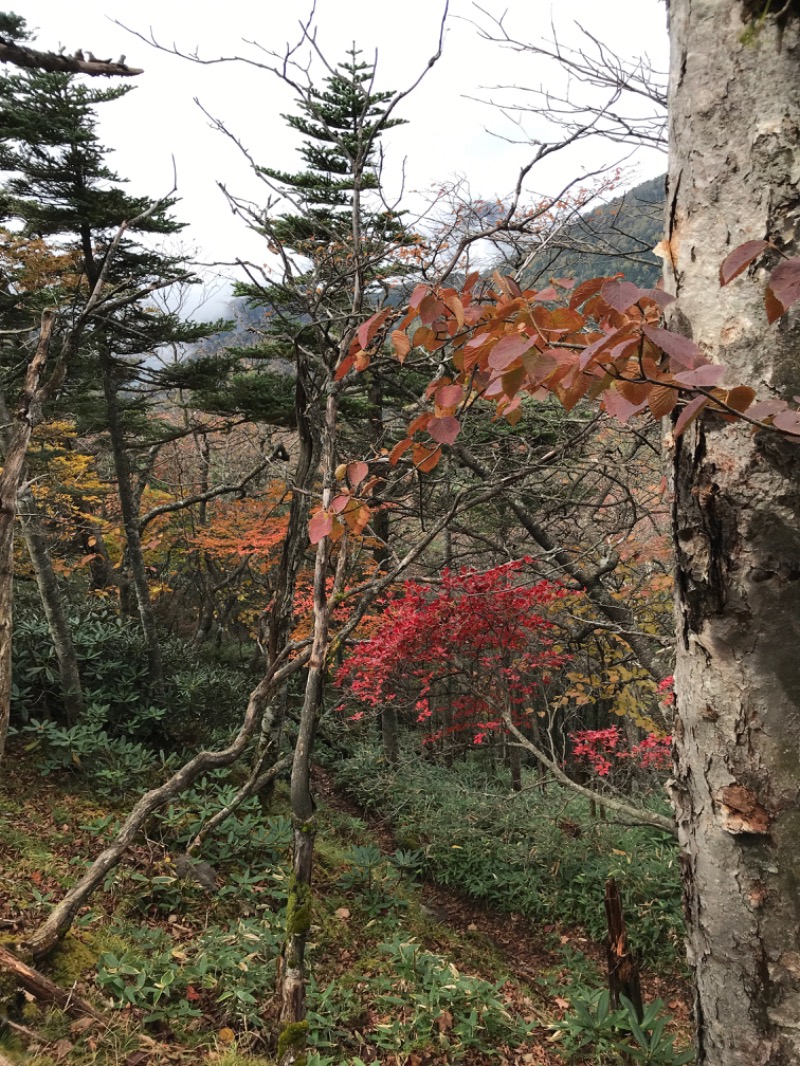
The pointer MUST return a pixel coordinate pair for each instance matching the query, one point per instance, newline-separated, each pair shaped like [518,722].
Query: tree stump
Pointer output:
[623,968]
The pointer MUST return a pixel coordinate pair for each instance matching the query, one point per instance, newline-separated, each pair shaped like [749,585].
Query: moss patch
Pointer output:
[293,1038]
[71,959]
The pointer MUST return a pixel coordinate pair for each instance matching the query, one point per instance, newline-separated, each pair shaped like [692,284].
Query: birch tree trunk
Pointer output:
[734,176]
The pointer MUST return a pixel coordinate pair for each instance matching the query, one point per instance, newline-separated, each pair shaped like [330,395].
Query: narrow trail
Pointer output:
[527,952]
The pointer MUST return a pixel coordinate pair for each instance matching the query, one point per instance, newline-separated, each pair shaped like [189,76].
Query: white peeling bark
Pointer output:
[734,176]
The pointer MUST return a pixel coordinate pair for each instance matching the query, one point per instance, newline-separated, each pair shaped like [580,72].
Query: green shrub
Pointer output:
[122,736]
[231,968]
[617,1036]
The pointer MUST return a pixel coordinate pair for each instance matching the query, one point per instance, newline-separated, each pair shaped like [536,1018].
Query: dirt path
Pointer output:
[527,952]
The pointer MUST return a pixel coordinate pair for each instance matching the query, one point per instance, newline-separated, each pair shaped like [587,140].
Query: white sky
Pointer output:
[447,133]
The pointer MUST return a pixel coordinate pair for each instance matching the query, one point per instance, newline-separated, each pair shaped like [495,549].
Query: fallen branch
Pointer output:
[22,55]
[60,919]
[44,989]
[636,814]
[258,779]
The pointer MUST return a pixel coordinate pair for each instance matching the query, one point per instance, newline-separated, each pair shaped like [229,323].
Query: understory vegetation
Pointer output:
[391,976]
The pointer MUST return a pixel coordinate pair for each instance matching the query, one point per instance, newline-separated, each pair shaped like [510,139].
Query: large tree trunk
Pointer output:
[734,173]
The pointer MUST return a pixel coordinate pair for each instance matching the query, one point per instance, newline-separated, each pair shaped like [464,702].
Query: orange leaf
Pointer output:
[401,344]
[425,459]
[399,448]
[662,401]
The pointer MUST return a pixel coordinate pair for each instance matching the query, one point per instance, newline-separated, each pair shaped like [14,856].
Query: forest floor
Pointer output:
[403,973]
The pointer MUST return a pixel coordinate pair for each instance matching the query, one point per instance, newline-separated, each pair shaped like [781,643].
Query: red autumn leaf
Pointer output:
[429,310]
[620,294]
[320,526]
[418,295]
[586,290]
[663,299]
[703,377]
[356,472]
[367,330]
[449,395]
[684,351]
[566,319]
[444,430]
[619,407]
[788,422]
[767,408]
[690,413]
[784,286]
[740,259]
[508,349]
[339,503]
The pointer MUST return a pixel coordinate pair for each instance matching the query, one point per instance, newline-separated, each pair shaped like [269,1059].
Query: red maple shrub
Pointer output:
[460,653]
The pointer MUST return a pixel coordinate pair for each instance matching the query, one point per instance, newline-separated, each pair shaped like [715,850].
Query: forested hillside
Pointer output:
[617,237]
[337,638]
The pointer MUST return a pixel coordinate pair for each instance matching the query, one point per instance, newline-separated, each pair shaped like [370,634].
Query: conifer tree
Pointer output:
[61,190]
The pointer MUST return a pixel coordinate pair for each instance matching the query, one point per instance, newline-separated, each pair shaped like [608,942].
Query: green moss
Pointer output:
[293,1038]
[70,959]
[298,908]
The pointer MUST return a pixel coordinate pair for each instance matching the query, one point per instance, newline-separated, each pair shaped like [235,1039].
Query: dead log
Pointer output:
[44,989]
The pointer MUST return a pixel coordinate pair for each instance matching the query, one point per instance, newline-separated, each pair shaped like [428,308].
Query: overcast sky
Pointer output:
[447,133]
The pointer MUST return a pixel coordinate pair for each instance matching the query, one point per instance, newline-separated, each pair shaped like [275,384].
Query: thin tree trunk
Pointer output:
[734,176]
[130,518]
[53,604]
[49,592]
[291,1042]
[10,481]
